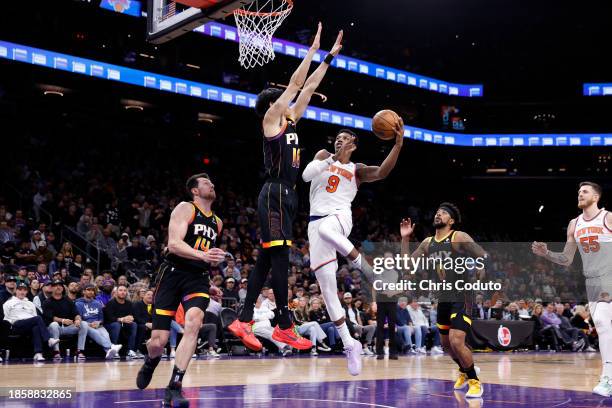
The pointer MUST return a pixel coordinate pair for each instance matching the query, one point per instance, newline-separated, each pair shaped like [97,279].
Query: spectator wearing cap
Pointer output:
[10,284]
[229,290]
[23,318]
[42,253]
[62,316]
[44,294]
[243,289]
[22,275]
[92,312]
[106,291]
[37,240]
[119,317]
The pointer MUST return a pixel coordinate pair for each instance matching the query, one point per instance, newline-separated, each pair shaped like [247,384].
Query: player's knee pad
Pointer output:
[331,231]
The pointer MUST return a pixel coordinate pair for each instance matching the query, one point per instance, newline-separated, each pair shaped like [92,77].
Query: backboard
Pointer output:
[168,19]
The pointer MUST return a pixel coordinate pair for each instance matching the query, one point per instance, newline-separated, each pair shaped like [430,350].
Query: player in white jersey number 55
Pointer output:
[591,234]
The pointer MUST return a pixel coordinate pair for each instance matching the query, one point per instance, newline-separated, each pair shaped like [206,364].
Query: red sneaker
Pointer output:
[244,332]
[291,337]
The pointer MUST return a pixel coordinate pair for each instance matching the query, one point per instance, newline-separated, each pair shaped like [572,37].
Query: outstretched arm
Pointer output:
[321,161]
[374,173]
[564,258]
[406,230]
[313,82]
[272,119]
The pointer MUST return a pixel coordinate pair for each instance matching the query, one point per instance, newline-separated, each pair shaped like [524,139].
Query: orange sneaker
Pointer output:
[291,337]
[244,332]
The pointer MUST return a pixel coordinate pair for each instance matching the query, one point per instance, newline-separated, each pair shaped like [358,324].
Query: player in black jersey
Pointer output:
[454,317]
[183,278]
[277,203]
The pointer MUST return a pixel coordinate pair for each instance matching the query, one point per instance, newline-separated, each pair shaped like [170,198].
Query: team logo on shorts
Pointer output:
[504,336]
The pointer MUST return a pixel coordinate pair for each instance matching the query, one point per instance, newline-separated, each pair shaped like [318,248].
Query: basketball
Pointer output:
[384,123]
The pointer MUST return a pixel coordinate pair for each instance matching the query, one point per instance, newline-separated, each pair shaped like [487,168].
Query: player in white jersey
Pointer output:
[334,182]
[591,233]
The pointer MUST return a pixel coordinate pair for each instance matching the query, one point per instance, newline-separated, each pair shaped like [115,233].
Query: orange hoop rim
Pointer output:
[260,14]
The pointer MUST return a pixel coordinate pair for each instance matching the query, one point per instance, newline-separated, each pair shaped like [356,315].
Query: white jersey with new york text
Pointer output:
[594,239]
[333,190]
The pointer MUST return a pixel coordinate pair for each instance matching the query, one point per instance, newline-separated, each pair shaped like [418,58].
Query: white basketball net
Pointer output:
[256,23]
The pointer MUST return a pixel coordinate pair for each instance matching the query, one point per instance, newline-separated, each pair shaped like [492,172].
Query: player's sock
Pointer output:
[176,380]
[456,360]
[602,317]
[345,335]
[257,278]
[279,257]
[152,362]
[471,372]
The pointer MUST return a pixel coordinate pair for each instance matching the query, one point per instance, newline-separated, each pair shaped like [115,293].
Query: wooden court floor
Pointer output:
[564,371]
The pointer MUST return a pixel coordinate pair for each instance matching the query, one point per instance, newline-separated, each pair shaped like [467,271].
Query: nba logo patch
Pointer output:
[504,336]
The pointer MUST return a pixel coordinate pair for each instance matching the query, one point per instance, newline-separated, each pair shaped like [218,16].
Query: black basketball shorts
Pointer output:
[174,286]
[276,210]
[453,315]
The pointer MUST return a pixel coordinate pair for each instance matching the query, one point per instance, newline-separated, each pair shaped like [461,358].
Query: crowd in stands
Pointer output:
[77,259]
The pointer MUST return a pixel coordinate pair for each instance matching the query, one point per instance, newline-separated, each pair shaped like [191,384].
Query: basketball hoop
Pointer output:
[256,23]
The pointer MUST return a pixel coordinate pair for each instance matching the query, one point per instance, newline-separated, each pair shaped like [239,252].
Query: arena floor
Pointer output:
[511,380]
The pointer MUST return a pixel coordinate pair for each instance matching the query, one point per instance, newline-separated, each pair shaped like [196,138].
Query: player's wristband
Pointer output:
[328,59]
[329,160]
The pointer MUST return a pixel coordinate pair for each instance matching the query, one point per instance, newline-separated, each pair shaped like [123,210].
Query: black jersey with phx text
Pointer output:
[202,234]
[282,155]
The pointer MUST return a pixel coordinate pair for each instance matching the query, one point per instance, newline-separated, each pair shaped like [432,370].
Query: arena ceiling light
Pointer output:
[53,90]
[132,104]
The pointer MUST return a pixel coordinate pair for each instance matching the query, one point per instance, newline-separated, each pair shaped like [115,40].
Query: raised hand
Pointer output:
[316,43]
[406,227]
[337,45]
[399,131]
[539,248]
